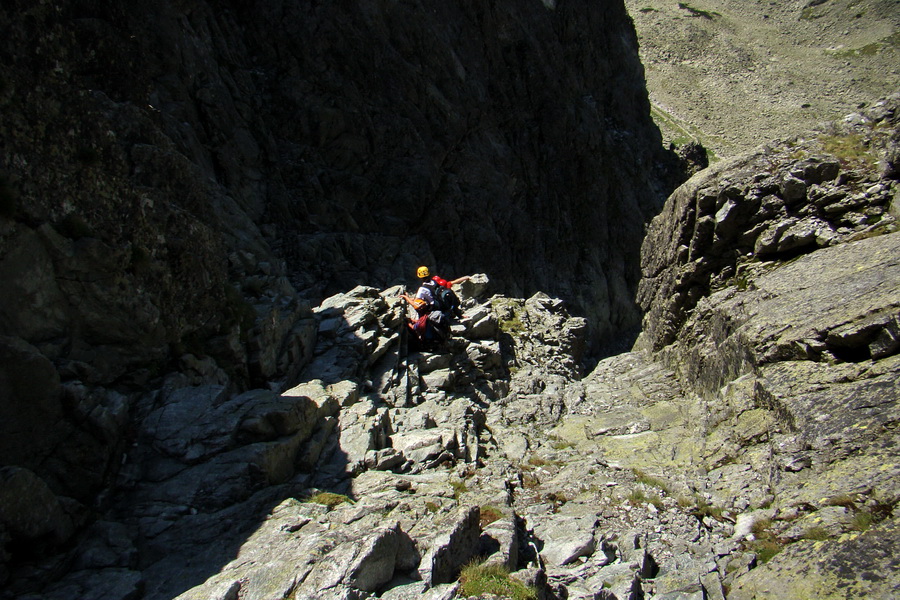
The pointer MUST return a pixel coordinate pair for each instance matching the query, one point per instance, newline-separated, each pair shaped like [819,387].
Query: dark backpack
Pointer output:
[430,331]
[445,299]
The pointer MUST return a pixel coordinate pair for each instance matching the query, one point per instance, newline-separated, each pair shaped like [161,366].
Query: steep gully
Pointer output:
[208,456]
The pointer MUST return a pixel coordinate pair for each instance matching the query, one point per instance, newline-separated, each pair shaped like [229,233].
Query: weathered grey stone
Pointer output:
[363,427]
[440,379]
[475,286]
[813,569]
[451,550]
[500,543]
[567,538]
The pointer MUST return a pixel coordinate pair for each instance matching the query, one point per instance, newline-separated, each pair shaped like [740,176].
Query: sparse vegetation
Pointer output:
[808,14]
[844,500]
[459,488]
[872,49]
[556,499]
[851,150]
[530,481]
[815,533]
[651,481]
[766,545]
[489,514]
[760,527]
[862,521]
[509,316]
[431,507]
[685,502]
[636,496]
[766,549]
[681,135]
[329,499]
[702,509]
[478,579]
[513,325]
[561,444]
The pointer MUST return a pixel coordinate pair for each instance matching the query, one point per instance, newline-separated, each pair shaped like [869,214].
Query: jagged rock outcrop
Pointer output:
[779,310]
[746,447]
[164,353]
[782,201]
[181,182]
[370,422]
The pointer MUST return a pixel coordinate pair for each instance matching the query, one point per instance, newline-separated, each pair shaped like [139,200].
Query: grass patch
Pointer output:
[702,509]
[677,133]
[509,316]
[636,496]
[559,444]
[556,499]
[329,499]
[478,579]
[890,42]
[765,550]
[530,481]
[844,500]
[851,150]
[862,521]
[760,527]
[459,488]
[512,325]
[815,533]
[766,545]
[651,481]
[489,514]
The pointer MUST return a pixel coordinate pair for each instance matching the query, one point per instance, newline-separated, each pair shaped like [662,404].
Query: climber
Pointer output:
[435,304]
[438,293]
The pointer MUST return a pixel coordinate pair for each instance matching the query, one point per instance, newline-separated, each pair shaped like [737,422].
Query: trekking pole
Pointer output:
[404,351]
[401,350]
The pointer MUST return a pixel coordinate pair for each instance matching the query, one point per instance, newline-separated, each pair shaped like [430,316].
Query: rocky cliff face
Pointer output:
[749,454]
[180,182]
[201,401]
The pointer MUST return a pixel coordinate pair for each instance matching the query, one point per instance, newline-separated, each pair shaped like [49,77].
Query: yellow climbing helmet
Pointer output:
[422,272]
